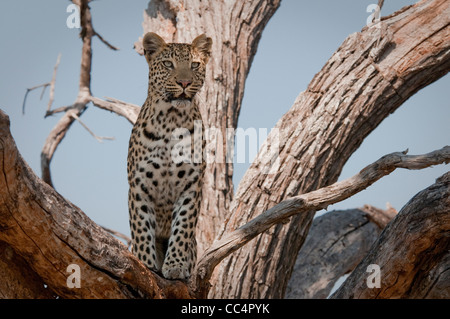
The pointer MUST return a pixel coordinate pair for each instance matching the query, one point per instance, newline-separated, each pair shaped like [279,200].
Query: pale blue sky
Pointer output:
[93,175]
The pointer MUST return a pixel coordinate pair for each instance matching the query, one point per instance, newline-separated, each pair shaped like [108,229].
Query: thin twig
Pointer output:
[31,89]
[52,83]
[43,91]
[377,13]
[58,110]
[380,4]
[98,138]
[58,132]
[44,86]
[109,45]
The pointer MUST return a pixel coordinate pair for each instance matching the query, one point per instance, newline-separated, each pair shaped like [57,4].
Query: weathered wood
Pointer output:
[336,243]
[302,204]
[378,216]
[435,282]
[127,110]
[18,280]
[49,233]
[367,78]
[412,251]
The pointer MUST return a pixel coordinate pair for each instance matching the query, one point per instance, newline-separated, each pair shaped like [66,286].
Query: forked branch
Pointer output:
[74,111]
[44,86]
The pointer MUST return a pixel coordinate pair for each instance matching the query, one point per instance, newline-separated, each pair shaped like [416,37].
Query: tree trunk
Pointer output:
[336,243]
[412,252]
[366,79]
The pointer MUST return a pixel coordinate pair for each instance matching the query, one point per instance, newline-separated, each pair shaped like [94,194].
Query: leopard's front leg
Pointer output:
[181,253]
[143,224]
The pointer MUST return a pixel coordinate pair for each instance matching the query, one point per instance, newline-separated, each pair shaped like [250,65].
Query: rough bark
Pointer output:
[367,78]
[42,234]
[302,204]
[412,251]
[19,281]
[435,283]
[336,243]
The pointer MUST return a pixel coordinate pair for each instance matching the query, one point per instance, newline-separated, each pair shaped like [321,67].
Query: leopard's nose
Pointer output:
[184,83]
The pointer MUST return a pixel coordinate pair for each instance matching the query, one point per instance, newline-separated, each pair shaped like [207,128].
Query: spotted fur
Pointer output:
[165,165]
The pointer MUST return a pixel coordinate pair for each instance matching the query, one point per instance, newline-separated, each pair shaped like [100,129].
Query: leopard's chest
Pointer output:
[167,156]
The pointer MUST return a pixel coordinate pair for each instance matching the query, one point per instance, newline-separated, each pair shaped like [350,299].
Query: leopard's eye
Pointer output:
[195,65]
[168,64]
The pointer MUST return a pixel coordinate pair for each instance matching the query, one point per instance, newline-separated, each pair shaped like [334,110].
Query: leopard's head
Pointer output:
[176,70]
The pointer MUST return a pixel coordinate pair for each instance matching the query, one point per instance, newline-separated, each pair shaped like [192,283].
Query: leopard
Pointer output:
[165,166]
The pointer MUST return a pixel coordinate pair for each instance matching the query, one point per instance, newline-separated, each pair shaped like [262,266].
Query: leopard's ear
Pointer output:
[152,44]
[203,44]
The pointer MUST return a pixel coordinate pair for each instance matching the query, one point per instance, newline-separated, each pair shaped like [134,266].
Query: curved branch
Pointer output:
[55,137]
[59,131]
[314,200]
[127,110]
[109,45]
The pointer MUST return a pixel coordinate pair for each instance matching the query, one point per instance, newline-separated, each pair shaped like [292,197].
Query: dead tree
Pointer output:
[260,230]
